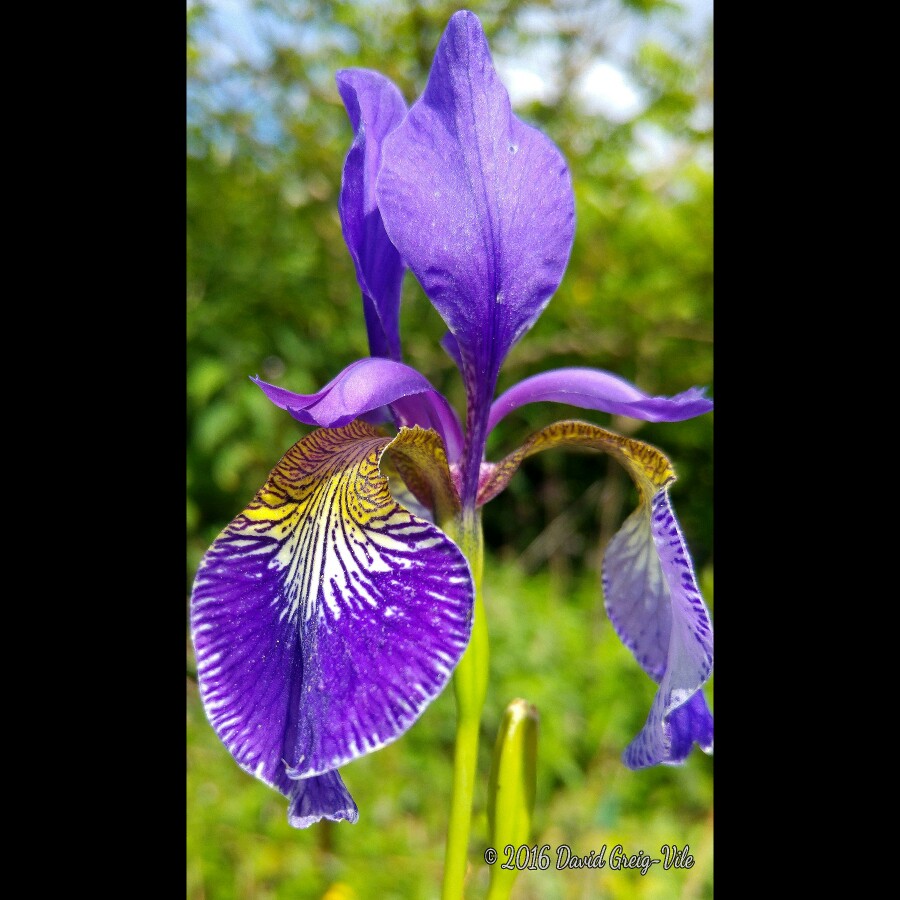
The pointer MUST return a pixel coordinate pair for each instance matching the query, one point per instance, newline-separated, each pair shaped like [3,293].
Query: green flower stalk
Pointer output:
[470,687]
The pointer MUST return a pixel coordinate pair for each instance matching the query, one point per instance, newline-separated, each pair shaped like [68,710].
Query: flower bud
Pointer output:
[511,787]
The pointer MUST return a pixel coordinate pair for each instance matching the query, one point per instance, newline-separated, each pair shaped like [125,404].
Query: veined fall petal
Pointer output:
[655,605]
[326,617]
[375,107]
[650,591]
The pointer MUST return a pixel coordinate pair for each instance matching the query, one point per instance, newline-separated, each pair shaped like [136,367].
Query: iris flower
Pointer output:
[334,608]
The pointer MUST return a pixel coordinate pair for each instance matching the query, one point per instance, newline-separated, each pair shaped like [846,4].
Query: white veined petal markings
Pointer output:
[336,525]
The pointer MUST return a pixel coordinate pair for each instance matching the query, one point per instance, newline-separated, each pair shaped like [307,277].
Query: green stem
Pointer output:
[456,858]
[499,888]
[470,687]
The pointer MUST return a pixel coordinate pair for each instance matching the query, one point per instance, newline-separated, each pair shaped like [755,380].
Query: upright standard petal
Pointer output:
[367,385]
[375,107]
[603,391]
[481,208]
[650,591]
[326,617]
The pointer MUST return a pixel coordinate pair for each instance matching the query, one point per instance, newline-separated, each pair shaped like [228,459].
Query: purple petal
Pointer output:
[668,739]
[655,606]
[249,663]
[375,108]
[690,724]
[480,207]
[448,342]
[636,595]
[320,797]
[603,391]
[326,617]
[366,385]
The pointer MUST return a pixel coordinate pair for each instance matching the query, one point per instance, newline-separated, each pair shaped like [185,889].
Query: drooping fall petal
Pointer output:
[326,617]
[375,107]
[603,391]
[649,588]
[656,608]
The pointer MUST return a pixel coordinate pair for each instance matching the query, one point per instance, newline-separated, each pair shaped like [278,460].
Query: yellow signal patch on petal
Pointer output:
[333,480]
[326,484]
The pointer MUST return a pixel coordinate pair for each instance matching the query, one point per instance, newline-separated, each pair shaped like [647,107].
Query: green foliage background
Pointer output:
[271,291]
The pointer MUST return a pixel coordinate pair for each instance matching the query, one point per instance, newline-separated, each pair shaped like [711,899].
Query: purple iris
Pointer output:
[334,608]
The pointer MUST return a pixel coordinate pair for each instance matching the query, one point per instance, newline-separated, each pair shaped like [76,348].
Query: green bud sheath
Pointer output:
[511,789]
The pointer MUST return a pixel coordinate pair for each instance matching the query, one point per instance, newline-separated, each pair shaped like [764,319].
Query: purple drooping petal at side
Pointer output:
[481,208]
[655,605]
[325,618]
[366,385]
[375,108]
[320,797]
[603,391]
